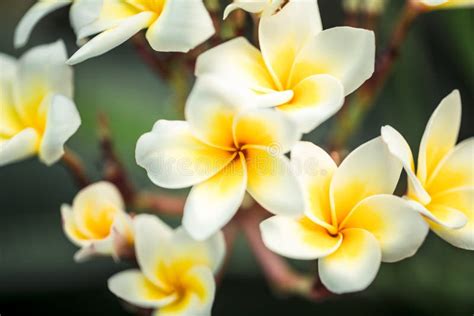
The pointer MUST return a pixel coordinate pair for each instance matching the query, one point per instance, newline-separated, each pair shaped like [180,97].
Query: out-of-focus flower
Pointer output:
[304,71]
[265,7]
[445,4]
[373,6]
[173,26]
[225,147]
[352,221]
[82,13]
[176,272]
[37,113]
[97,222]
[442,189]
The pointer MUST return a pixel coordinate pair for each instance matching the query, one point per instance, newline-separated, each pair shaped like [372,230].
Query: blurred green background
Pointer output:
[37,272]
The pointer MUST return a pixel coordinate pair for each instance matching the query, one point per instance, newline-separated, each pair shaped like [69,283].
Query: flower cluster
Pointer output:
[248,109]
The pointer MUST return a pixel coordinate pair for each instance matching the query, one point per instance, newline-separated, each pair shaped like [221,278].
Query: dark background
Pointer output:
[37,273]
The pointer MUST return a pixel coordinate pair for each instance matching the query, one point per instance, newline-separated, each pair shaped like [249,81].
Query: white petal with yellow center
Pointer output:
[370,169]
[298,238]
[314,168]
[345,53]
[462,200]
[212,203]
[440,135]
[174,158]
[399,229]
[354,265]
[21,146]
[401,150]
[272,182]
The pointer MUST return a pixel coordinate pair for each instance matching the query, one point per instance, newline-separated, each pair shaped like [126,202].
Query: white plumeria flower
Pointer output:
[37,112]
[442,189]
[223,150]
[304,71]
[176,275]
[352,221]
[82,13]
[264,7]
[173,26]
[446,4]
[97,222]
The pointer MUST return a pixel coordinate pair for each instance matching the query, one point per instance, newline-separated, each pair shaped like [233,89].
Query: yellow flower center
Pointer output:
[155,6]
[99,220]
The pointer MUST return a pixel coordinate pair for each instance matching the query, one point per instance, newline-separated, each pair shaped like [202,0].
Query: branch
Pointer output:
[76,168]
[160,203]
[149,57]
[277,271]
[113,170]
[352,114]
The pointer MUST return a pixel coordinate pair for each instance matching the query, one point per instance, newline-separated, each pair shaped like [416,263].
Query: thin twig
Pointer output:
[160,203]
[353,112]
[76,167]
[150,57]
[277,271]
[113,170]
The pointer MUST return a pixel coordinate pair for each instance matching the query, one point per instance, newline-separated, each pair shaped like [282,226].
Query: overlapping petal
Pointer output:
[272,182]
[213,203]
[399,229]
[345,53]
[298,238]
[440,135]
[174,158]
[368,170]
[354,265]
[21,146]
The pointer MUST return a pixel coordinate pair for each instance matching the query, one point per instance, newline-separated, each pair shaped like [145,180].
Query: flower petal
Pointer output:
[32,17]
[455,170]
[198,297]
[267,128]
[399,147]
[314,168]
[10,123]
[212,203]
[354,265]
[152,246]
[253,6]
[345,53]
[173,158]
[181,26]
[462,200]
[112,38]
[298,238]
[284,34]
[399,229]
[41,71]
[315,99]
[272,183]
[132,286]
[370,169]
[84,12]
[211,108]
[439,214]
[70,228]
[62,122]
[21,146]
[209,252]
[440,135]
[236,61]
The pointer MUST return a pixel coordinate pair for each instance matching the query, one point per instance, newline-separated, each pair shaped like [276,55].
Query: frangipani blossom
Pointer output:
[97,222]
[352,221]
[307,71]
[446,4]
[173,26]
[82,13]
[225,147]
[176,275]
[265,7]
[37,112]
[442,188]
